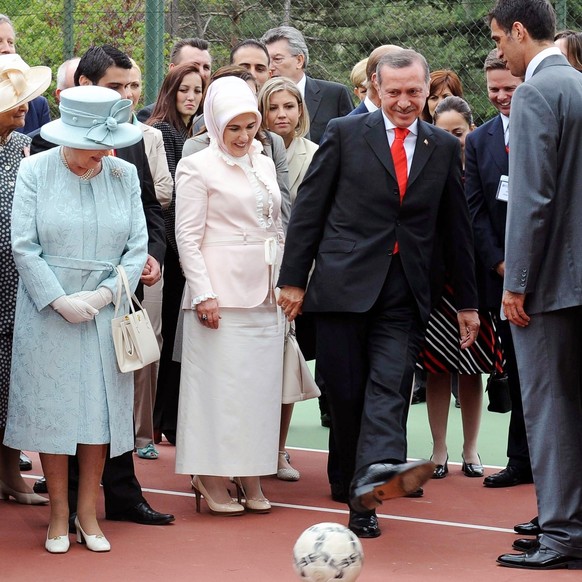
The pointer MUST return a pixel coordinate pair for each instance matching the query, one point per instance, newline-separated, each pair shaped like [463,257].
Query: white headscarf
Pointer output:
[225,99]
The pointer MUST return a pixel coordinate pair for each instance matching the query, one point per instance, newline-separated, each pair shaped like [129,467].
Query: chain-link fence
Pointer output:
[450,33]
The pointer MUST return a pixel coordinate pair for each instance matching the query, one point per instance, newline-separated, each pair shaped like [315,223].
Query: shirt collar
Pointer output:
[301,85]
[534,63]
[413,127]
[370,105]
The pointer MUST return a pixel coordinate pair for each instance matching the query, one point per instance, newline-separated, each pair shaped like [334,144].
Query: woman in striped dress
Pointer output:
[442,357]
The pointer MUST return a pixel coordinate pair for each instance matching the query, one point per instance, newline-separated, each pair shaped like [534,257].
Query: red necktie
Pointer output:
[400,163]
[399,159]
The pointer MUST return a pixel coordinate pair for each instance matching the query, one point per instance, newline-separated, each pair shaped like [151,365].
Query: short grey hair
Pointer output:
[62,72]
[297,44]
[400,59]
[4,18]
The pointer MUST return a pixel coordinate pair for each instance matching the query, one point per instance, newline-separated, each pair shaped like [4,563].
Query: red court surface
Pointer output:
[454,532]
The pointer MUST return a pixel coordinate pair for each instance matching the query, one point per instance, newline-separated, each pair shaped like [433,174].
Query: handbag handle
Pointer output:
[123,283]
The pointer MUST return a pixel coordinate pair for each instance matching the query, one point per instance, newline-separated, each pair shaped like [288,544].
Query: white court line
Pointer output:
[345,512]
[411,459]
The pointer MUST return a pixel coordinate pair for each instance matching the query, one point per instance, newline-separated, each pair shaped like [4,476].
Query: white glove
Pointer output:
[97,299]
[73,309]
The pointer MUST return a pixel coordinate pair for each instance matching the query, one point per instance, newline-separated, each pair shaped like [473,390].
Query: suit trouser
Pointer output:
[367,361]
[120,486]
[549,357]
[145,380]
[517,449]
[168,389]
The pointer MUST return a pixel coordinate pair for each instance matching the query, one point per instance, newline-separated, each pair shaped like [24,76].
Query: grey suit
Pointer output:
[544,261]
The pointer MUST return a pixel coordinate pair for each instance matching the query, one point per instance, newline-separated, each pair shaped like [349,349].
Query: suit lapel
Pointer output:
[425,145]
[375,135]
[496,145]
[312,96]
[297,161]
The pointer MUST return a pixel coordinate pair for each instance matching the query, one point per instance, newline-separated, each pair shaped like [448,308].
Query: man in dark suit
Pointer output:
[372,233]
[325,100]
[486,170]
[108,67]
[542,296]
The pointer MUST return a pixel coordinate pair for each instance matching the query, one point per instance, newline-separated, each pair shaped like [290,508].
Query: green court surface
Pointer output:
[307,432]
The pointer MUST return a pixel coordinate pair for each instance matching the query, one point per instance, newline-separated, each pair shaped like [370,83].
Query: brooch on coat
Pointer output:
[117,172]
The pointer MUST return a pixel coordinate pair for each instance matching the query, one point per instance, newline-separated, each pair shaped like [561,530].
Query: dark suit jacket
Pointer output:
[348,215]
[135,155]
[486,160]
[37,115]
[361,108]
[325,100]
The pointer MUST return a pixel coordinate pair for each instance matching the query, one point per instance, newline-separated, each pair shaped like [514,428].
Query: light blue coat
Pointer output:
[67,235]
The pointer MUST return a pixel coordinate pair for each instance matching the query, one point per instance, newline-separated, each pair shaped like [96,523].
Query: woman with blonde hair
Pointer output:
[285,114]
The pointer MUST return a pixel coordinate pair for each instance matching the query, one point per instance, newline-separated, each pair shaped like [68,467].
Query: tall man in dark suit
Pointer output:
[325,100]
[381,190]
[542,296]
[486,171]
[108,67]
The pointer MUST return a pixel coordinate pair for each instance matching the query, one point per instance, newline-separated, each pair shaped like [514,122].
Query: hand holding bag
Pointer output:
[298,383]
[134,339]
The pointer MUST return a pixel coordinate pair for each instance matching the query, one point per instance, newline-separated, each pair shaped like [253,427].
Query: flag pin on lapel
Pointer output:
[426,142]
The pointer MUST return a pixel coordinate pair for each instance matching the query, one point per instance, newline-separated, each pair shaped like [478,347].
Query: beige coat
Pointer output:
[299,163]
[158,163]
[221,229]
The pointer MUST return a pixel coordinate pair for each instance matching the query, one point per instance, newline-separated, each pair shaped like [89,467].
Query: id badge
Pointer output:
[503,189]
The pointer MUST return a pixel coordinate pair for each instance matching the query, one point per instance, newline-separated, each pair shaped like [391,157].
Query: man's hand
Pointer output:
[291,300]
[512,304]
[500,269]
[151,272]
[468,327]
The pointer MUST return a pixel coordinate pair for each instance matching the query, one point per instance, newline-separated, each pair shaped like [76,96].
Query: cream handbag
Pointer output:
[134,338]
[298,383]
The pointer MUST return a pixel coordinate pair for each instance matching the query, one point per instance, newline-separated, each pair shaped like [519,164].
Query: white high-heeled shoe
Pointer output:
[254,505]
[23,498]
[287,472]
[95,543]
[58,544]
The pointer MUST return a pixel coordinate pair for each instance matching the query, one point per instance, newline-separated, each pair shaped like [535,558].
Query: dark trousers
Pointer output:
[168,389]
[120,486]
[517,448]
[367,362]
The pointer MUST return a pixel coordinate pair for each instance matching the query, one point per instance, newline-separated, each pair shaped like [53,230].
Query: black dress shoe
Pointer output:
[25,462]
[144,514]
[416,494]
[418,395]
[40,486]
[540,558]
[364,525]
[381,481]
[508,477]
[529,528]
[441,471]
[472,469]
[525,544]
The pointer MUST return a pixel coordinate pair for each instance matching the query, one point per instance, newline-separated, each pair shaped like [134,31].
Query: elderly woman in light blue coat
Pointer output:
[77,214]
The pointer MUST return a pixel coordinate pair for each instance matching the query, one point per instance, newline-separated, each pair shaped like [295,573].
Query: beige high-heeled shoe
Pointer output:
[227,509]
[257,505]
[287,473]
[23,498]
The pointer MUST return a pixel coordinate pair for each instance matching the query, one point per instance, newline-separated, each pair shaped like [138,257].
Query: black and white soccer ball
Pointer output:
[328,551]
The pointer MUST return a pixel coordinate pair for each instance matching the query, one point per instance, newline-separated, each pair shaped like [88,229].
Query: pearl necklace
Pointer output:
[86,176]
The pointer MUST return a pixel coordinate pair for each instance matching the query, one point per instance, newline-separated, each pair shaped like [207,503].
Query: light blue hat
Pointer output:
[92,118]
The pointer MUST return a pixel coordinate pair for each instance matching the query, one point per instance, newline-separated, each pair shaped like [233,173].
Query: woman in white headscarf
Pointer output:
[230,236]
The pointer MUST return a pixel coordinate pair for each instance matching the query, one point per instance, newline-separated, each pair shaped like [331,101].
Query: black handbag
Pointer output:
[498,392]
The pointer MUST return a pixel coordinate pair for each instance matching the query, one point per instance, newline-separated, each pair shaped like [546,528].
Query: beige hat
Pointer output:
[20,83]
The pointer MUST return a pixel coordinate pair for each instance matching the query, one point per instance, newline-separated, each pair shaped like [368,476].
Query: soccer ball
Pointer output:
[328,551]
